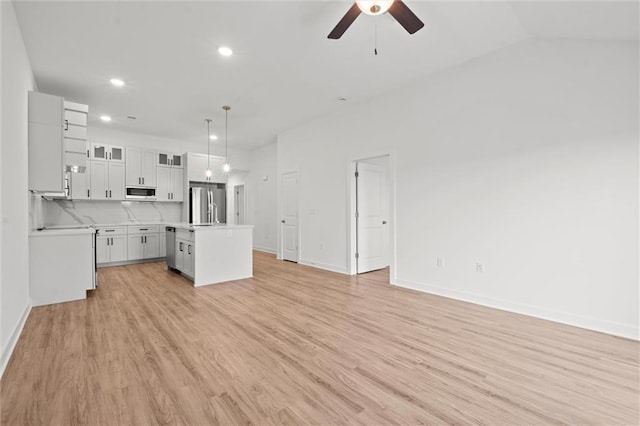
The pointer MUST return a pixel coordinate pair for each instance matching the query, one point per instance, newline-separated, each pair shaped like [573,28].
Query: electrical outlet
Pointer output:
[479,267]
[440,262]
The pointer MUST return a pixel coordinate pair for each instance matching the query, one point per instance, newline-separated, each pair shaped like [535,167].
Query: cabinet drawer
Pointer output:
[75,132]
[107,231]
[184,234]
[143,229]
[75,117]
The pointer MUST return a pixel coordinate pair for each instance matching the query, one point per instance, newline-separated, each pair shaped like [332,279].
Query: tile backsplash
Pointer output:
[64,212]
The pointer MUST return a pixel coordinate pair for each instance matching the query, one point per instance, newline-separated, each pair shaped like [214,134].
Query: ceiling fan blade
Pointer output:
[345,22]
[405,17]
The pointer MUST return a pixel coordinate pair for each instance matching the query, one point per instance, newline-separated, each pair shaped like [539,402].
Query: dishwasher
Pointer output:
[171,247]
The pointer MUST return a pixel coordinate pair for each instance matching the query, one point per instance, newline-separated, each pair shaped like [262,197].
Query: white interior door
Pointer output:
[372,212]
[239,204]
[290,216]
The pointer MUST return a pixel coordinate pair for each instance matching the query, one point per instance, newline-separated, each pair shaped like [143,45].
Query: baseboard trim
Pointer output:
[265,249]
[13,340]
[326,267]
[594,324]
[131,262]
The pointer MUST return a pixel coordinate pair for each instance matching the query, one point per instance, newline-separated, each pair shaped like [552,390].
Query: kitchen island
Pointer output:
[211,254]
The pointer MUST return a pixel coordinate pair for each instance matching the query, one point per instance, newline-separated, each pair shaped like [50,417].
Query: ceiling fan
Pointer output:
[396,8]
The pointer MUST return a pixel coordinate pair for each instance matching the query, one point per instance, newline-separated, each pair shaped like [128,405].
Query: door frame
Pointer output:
[351,211]
[280,251]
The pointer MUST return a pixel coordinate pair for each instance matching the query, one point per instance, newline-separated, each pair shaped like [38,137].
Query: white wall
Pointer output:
[261,194]
[17,80]
[525,160]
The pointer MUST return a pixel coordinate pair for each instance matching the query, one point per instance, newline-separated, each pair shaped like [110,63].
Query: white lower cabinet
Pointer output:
[143,242]
[185,250]
[111,244]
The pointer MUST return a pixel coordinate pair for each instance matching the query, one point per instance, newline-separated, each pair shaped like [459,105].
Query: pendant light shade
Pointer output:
[226,167]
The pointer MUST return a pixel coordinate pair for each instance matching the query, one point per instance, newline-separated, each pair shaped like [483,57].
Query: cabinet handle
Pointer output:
[106,194]
[111,240]
[66,124]
[143,181]
[144,229]
[110,230]
[107,241]
[109,193]
[87,153]
[145,240]
[88,193]
[189,249]
[180,248]
[109,156]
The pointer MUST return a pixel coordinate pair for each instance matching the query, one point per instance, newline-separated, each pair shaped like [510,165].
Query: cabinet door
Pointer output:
[177,184]
[116,153]
[163,159]
[46,109]
[163,183]
[118,248]
[151,246]
[132,170]
[99,151]
[162,244]
[148,168]
[219,176]
[116,181]
[197,167]
[99,180]
[176,160]
[81,184]
[135,247]
[189,258]
[181,247]
[102,249]
[45,157]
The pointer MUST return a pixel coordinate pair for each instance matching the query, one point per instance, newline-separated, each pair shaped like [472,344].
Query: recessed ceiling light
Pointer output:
[213,137]
[105,118]
[225,51]
[117,82]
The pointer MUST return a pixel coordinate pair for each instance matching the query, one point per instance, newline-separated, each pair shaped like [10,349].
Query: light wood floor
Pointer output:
[296,345]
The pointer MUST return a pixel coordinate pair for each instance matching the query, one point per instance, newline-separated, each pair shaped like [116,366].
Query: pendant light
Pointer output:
[208,173]
[226,167]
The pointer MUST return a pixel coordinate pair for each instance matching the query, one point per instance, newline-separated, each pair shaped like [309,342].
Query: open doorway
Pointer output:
[239,204]
[373,233]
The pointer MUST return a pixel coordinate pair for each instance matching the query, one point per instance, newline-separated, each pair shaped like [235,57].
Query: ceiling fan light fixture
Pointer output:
[374,7]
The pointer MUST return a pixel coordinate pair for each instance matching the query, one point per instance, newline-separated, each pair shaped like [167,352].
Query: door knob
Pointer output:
[384,222]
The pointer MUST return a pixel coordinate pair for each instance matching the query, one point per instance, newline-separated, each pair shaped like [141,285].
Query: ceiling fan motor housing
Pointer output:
[374,7]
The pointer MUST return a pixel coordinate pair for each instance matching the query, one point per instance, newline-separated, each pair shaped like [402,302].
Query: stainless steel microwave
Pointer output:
[148,194]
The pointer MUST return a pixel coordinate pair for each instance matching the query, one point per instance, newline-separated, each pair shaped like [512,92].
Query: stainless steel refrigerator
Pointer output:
[207,203]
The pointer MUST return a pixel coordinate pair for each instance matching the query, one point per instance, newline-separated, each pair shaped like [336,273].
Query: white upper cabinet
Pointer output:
[168,159]
[141,167]
[107,181]
[107,152]
[197,165]
[46,167]
[170,184]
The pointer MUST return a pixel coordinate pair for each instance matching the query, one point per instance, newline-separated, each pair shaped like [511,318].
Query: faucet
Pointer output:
[215,212]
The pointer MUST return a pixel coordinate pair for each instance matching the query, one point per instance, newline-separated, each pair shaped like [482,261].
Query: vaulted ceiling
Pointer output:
[284,70]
